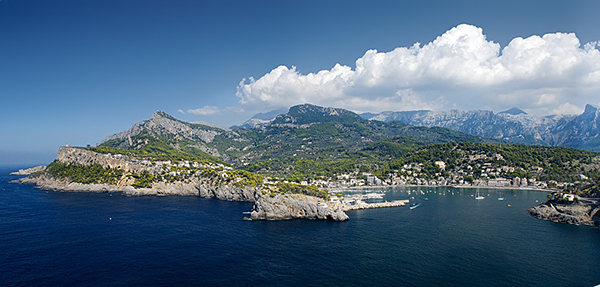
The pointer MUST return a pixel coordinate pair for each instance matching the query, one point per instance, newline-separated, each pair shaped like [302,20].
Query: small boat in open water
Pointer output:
[478,195]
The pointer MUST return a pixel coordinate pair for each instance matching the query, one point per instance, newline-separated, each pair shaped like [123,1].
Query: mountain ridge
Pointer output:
[305,131]
[514,125]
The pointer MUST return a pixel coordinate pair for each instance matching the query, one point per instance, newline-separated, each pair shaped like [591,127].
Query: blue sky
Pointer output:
[72,72]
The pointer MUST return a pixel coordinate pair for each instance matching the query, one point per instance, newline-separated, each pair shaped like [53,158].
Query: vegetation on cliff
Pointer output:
[159,150]
[83,173]
[287,187]
[588,188]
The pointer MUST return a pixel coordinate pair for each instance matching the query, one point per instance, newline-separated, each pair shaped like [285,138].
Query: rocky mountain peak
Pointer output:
[513,111]
[158,115]
[308,113]
[591,110]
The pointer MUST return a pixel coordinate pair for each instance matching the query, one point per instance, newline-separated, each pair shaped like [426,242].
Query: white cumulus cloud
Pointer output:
[459,69]
[204,111]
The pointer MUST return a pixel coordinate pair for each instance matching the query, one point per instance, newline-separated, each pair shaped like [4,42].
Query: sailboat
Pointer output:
[478,195]
[500,196]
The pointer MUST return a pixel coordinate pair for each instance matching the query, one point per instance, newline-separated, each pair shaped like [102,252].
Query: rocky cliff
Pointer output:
[577,213]
[200,188]
[194,184]
[28,171]
[290,206]
[82,156]
[280,207]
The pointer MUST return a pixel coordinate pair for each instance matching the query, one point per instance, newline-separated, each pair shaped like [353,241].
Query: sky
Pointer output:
[73,72]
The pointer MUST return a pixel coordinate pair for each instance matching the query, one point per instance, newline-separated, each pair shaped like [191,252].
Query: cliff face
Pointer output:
[280,207]
[193,188]
[81,156]
[28,171]
[292,206]
[266,207]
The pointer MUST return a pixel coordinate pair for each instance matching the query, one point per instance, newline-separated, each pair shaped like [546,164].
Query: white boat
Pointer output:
[414,206]
[500,196]
[478,195]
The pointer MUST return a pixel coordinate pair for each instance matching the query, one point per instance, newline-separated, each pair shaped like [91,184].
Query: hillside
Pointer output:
[305,132]
[311,143]
[494,165]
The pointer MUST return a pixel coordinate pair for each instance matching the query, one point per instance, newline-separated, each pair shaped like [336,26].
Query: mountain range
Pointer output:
[310,131]
[304,132]
[575,131]
[324,145]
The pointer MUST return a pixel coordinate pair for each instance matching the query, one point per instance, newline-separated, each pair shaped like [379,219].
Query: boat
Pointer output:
[500,196]
[414,206]
[478,195]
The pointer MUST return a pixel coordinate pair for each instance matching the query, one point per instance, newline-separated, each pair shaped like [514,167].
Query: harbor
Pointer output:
[359,201]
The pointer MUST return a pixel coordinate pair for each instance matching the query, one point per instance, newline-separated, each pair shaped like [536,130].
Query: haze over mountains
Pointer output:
[514,125]
[576,131]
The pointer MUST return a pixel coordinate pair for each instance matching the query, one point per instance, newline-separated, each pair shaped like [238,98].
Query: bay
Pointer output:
[73,239]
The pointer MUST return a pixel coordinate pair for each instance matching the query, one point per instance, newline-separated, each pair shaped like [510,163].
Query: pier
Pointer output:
[363,205]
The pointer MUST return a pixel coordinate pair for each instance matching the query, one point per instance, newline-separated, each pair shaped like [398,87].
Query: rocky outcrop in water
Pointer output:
[28,171]
[574,213]
[290,206]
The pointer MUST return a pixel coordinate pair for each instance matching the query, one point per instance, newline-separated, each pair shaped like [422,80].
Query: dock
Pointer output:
[363,205]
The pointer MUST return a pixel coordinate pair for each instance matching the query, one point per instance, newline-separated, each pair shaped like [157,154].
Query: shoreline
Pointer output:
[447,186]
[280,207]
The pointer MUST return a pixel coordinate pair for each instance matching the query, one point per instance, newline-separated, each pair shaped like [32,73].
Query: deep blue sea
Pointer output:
[86,239]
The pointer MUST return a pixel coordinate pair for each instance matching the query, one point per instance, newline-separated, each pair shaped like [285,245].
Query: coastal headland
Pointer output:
[190,179]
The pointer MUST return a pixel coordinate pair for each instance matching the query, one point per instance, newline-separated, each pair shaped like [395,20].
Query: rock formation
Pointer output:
[279,207]
[29,171]
[290,206]
[574,213]
[86,157]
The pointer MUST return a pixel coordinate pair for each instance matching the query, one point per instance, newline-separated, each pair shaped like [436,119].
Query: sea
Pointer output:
[50,238]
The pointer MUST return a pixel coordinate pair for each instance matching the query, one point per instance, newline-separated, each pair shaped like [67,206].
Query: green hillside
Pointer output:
[315,143]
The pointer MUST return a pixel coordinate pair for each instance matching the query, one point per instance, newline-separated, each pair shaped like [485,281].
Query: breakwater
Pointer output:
[362,205]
